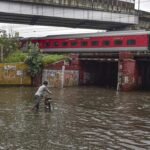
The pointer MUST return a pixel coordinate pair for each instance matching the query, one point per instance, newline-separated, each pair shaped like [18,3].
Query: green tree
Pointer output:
[34,60]
[9,43]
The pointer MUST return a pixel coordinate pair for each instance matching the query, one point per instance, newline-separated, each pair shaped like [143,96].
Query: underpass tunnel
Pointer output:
[99,73]
[144,74]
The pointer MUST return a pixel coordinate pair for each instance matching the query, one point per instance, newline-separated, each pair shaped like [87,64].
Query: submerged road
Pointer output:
[83,118]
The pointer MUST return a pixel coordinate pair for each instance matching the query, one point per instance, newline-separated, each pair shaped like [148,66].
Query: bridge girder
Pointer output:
[23,13]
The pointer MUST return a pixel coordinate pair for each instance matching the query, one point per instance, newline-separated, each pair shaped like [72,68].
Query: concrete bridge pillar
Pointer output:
[127,72]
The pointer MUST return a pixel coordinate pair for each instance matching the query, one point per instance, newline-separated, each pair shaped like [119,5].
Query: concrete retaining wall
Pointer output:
[61,78]
[63,74]
[14,74]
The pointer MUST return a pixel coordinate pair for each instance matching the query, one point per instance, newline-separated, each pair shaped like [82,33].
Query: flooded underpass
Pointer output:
[144,72]
[83,118]
[100,73]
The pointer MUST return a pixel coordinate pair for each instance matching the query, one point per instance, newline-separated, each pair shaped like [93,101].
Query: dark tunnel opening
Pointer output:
[144,73]
[103,74]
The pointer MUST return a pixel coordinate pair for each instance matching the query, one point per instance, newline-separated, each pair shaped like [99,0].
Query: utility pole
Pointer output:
[138,7]
[1,47]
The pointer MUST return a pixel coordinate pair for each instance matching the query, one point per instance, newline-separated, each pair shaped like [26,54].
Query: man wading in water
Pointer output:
[40,94]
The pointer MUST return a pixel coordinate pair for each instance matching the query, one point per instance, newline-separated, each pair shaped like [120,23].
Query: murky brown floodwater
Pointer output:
[84,118]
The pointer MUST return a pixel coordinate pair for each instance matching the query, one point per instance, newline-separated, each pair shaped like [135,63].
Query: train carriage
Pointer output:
[133,40]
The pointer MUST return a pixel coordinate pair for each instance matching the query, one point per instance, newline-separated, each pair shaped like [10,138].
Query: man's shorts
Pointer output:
[37,99]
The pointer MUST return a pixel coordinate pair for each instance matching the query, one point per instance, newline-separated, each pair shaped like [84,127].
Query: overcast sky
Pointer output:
[28,31]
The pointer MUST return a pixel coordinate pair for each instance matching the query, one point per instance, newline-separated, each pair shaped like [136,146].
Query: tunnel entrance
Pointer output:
[99,73]
[144,73]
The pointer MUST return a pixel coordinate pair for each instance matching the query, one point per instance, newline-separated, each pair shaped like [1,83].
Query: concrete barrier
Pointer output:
[14,74]
[61,78]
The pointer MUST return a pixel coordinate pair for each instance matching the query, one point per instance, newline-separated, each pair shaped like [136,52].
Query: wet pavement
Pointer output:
[83,118]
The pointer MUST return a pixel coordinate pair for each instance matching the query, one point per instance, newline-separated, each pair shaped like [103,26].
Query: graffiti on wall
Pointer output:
[71,77]
[15,74]
[9,71]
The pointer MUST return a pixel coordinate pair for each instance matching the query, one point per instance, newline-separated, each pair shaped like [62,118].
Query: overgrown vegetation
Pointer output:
[34,60]
[9,43]
[48,59]
[9,47]
[14,57]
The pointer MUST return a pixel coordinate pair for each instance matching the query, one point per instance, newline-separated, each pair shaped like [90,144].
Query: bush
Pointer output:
[9,43]
[16,57]
[34,60]
[48,59]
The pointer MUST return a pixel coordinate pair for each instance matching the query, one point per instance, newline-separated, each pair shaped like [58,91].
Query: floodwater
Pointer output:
[83,118]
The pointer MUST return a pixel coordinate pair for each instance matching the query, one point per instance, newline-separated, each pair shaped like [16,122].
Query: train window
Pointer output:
[131,42]
[47,44]
[64,43]
[84,43]
[118,42]
[106,43]
[55,43]
[95,43]
[73,43]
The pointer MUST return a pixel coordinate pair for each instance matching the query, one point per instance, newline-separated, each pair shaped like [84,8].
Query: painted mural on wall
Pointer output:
[14,74]
[56,77]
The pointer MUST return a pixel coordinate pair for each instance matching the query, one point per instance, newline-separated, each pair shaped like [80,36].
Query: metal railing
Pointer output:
[103,5]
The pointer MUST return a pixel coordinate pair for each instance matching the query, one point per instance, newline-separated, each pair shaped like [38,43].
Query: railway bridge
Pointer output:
[118,59]
[123,71]
[93,14]
[144,20]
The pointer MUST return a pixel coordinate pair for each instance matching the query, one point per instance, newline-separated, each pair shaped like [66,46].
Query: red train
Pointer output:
[134,40]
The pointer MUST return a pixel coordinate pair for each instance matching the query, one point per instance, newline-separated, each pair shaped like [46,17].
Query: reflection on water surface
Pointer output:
[84,118]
